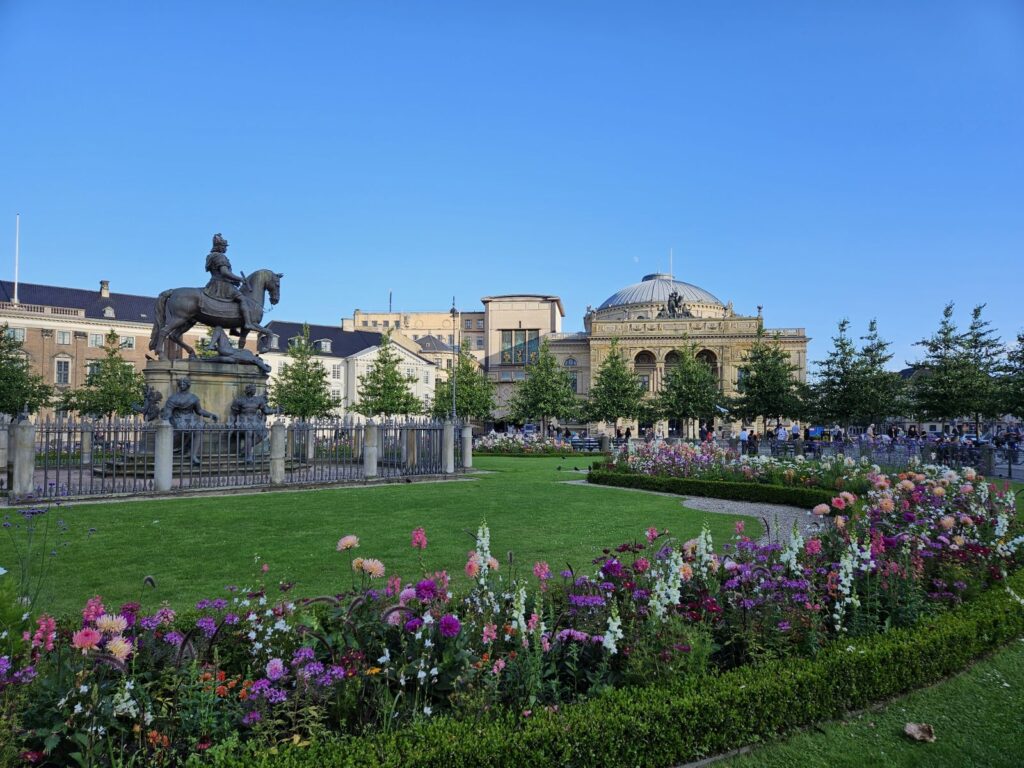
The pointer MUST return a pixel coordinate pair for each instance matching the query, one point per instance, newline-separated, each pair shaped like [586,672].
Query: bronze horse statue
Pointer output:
[178,309]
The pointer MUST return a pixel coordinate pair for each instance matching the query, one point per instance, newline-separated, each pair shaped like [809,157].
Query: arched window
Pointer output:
[672,358]
[644,364]
[644,358]
[710,359]
[570,362]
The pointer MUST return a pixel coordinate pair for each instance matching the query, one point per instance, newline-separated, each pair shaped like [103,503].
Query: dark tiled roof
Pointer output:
[433,344]
[129,308]
[343,343]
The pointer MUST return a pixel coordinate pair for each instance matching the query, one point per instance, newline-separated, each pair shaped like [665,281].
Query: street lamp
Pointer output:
[454,313]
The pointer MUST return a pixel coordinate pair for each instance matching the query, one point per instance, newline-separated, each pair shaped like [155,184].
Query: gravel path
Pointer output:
[778,518]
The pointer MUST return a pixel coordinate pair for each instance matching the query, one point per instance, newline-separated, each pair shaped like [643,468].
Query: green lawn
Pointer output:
[978,718]
[194,547]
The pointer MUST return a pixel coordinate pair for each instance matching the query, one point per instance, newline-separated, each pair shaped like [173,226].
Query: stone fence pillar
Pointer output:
[163,456]
[448,448]
[278,445]
[87,430]
[410,446]
[467,447]
[370,451]
[4,434]
[22,456]
[988,463]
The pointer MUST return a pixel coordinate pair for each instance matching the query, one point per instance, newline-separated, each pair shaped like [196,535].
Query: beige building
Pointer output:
[63,330]
[465,326]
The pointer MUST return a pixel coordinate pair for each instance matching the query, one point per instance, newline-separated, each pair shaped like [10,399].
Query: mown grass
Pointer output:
[194,547]
[978,719]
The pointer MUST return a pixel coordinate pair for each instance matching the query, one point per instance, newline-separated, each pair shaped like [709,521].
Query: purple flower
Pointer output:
[275,695]
[149,623]
[252,717]
[174,638]
[414,624]
[332,675]
[202,605]
[449,625]
[220,604]
[275,669]
[783,626]
[303,654]
[207,625]
[231,618]
[586,601]
[426,590]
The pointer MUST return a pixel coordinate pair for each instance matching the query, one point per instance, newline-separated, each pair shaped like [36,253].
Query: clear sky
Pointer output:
[824,159]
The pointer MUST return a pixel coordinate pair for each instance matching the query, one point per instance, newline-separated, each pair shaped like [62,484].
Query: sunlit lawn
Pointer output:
[194,547]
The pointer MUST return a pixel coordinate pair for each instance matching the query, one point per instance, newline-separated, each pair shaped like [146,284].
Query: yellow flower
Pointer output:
[111,625]
[373,671]
[119,648]
[357,564]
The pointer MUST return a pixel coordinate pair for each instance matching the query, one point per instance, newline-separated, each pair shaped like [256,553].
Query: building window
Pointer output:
[63,337]
[336,371]
[480,324]
[570,362]
[127,342]
[18,334]
[96,340]
[479,342]
[506,375]
[573,381]
[448,363]
[373,323]
[520,375]
[323,345]
[365,323]
[520,347]
[92,368]
[62,372]
[426,377]
[108,312]
[645,381]
[409,373]
[336,394]
[469,325]
[451,339]
[387,323]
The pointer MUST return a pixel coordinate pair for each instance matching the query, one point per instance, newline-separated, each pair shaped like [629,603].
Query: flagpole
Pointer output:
[17,246]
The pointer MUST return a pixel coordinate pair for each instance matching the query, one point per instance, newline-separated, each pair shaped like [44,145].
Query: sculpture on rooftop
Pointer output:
[230,301]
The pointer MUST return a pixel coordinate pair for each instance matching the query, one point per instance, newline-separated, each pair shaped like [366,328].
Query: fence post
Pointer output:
[467,447]
[988,463]
[23,457]
[4,434]
[411,458]
[278,441]
[163,456]
[604,443]
[87,430]
[448,447]
[370,451]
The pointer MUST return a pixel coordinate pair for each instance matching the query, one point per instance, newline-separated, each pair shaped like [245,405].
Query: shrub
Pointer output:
[719,489]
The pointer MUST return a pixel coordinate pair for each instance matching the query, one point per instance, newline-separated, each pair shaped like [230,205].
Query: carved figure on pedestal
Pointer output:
[150,405]
[220,303]
[249,413]
[186,415]
[227,353]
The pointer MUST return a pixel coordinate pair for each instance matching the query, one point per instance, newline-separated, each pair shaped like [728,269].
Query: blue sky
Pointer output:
[826,160]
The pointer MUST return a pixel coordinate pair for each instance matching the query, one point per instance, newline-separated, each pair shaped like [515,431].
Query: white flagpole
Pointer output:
[17,244]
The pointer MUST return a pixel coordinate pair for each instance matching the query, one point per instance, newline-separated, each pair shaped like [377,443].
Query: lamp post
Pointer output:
[455,363]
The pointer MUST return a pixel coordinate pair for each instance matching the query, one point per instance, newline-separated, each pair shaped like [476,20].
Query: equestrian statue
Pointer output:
[228,300]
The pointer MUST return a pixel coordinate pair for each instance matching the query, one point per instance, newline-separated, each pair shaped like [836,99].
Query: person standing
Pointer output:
[744,441]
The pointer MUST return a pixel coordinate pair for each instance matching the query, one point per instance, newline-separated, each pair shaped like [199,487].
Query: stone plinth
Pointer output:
[215,384]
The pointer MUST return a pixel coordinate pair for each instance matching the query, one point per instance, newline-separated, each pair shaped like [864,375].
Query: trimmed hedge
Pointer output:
[719,489]
[670,724]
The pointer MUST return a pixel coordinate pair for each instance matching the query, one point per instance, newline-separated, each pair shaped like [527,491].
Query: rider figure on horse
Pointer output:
[224,283]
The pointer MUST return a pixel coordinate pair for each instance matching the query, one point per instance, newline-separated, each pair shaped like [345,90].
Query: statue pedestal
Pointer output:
[215,384]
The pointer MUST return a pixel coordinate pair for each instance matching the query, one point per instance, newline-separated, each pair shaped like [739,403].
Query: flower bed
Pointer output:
[518,445]
[523,648]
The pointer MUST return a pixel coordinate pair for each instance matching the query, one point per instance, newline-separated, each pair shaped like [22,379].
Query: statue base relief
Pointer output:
[215,384]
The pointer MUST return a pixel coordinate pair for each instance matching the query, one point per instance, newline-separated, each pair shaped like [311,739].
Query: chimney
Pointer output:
[105,289]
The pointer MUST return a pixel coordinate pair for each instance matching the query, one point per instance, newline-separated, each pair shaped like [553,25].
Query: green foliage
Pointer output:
[474,392]
[18,385]
[111,389]
[717,489]
[547,392]
[641,725]
[1011,384]
[958,374]
[301,388]
[383,390]
[617,391]
[690,390]
[835,389]
[882,393]
[766,386]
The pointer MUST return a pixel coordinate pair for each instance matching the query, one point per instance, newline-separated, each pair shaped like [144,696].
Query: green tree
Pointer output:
[474,392]
[301,388]
[1011,383]
[984,352]
[880,392]
[111,387]
[617,391]
[383,390]
[766,384]
[546,393]
[942,389]
[836,390]
[19,387]
[690,390]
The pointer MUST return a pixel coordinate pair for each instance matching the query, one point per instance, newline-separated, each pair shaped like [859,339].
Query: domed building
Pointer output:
[659,318]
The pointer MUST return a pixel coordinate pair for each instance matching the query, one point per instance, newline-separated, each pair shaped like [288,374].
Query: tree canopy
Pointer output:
[19,387]
[474,392]
[617,391]
[546,393]
[383,389]
[690,389]
[301,388]
[112,386]
[766,384]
